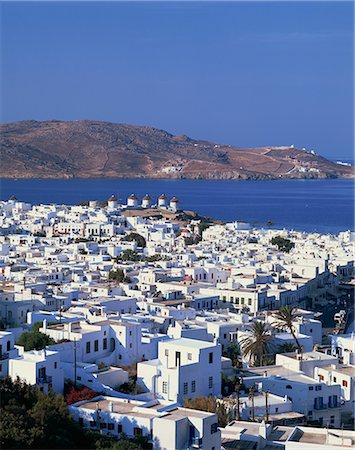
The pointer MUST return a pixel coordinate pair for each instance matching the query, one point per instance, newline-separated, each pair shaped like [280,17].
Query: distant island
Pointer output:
[92,149]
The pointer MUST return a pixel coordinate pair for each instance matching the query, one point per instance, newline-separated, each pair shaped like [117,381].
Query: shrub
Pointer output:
[34,340]
[77,395]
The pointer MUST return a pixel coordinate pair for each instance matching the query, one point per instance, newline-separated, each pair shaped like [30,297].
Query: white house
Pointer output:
[185,368]
[39,367]
[166,426]
[7,351]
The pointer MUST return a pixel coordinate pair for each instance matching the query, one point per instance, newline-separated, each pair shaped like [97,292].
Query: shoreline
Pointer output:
[185,178]
[323,206]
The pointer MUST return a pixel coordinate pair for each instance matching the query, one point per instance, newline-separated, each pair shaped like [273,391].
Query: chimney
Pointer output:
[44,324]
[263,429]
[110,406]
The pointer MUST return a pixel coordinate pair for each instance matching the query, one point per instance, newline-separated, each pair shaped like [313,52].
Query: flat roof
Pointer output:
[346,370]
[268,371]
[342,438]
[310,356]
[190,343]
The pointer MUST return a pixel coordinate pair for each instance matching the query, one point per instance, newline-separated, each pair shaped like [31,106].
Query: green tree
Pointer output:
[129,255]
[141,242]
[34,340]
[119,276]
[153,258]
[29,419]
[258,344]
[283,244]
[285,318]
[233,352]
[203,226]
[287,347]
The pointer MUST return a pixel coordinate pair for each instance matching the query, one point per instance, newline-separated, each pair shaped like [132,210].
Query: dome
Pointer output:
[147,197]
[162,197]
[175,200]
[133,197]
[113,198]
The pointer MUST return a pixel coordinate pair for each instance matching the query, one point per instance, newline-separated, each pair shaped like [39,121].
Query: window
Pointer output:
[165,387]
[104,343]
[249,301]
[210,382]
[96,345]
[334,379]
[137,431]
[332,419]
[119,428]
[103,425]
[185,388]
[225,335]
[88,347]
[310,388]
[8,345]
[92,423]
[189,356]
[344,383]
[193,386]
[166,352]
[55,365]
[288,386]
[110,426]
[130,333]
[318,388]
[214,428]
[276,409]
[210,357]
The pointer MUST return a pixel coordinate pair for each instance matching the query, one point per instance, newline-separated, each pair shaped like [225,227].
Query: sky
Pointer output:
[240,73]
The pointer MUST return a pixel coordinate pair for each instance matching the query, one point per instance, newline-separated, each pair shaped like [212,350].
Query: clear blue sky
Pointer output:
[246,74]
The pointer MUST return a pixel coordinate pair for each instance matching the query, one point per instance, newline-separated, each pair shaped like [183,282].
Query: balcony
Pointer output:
[327,406]
[4,356]
[46,379]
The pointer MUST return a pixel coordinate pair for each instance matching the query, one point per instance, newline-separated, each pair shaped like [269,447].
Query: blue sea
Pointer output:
[310,205]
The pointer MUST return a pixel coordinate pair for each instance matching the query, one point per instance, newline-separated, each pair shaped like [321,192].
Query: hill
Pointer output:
[58,149]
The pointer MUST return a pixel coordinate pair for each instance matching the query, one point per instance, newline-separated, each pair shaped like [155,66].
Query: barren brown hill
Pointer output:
[56,149]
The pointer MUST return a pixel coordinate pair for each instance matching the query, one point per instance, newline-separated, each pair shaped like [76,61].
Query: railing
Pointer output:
[4,356]
[327,406]
[44,380]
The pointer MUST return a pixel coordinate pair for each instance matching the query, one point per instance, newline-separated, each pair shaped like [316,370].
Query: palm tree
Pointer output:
[238,387]
[287,347]
[258,344]
[285,318]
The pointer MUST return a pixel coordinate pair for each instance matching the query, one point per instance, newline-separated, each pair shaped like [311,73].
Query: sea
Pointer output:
[324,206]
